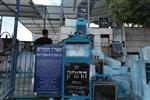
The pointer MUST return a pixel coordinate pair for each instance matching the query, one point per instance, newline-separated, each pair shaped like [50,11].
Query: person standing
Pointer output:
[43,40]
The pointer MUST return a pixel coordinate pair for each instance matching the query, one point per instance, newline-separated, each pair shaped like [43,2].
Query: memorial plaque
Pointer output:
[104,90]
[148,73]
[76,79]
[48,67]
[82,11]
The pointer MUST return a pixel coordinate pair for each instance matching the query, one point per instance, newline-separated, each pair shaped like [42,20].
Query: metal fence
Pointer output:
[24,76]
[5,74]
[24,72]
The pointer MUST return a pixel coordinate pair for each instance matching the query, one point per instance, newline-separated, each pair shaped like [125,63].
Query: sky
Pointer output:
[8,28]
[47,2]
[23,33]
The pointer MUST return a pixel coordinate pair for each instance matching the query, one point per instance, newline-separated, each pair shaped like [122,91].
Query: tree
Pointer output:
[130,11]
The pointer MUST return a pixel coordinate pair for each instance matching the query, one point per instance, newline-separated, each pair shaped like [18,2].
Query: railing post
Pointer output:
[61,12]
[14,50]
[45,17]
[88,13]
[1,19]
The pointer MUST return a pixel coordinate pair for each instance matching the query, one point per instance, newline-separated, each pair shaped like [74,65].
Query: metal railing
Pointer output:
[5,73]
[24,74]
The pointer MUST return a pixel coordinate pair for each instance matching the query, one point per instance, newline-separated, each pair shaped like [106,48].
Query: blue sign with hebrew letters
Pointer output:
[48,67]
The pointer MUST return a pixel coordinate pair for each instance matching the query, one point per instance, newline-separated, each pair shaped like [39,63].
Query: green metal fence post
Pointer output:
[14,50]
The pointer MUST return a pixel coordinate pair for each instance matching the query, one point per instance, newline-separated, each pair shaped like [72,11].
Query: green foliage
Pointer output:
[130,11]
